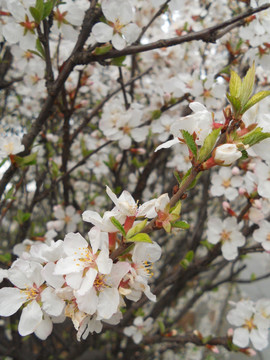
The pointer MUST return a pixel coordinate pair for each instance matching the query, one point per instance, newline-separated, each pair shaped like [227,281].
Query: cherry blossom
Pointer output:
[228,233]
[120,30]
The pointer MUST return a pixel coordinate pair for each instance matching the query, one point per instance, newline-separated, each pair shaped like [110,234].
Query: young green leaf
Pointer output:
[247,85]
[180,225]
[36,14]
[141,237]
[136,229]
[254,137]
[48,6]
[26,160]
[117,224]
[118,61]
[235,84]
[208,145]
[190,142]
[255,99]
[102,49]
[235,102]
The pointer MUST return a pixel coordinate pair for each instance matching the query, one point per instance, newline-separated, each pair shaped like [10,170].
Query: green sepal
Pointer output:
[117,224]
[181,225]
[141,237]
[208,145]
[118,61]
[255,99]
[235,84]
[254,137]
[26,160]
[101,50]
[190,142]
[136,229]
[247,85]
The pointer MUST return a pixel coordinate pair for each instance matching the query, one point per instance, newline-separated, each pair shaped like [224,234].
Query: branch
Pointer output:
[209,35]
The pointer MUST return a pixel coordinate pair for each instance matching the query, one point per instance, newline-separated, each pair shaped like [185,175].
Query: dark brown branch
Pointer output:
[91,16]
[208,35]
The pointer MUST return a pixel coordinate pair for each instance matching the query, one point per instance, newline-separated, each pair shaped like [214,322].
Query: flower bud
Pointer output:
[226,154]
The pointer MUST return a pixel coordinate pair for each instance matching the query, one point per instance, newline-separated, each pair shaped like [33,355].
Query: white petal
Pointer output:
[118,42]
[52,304]
[241,337]
[102,32]
[108,302]
[44,329]
[30,319]
[11,299]
[167,144]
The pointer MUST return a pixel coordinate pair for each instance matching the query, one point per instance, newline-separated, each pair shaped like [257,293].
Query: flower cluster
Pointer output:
[72,278]
[252,321]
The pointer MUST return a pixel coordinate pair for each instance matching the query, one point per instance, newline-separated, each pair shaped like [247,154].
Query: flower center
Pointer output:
[249,324]
[225,235]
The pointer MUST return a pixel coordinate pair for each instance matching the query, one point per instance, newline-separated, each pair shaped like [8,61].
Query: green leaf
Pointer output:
[117,224]
[102,49]
[235,102]
[21,217]
[27,160]
[161,326]
[5,258]
[185,177]
[235,84]
[255,99]
[247,85]
[176,174]
[36,53]
[136,229]
[55,170]
[156,114]
[254,137]
[40,48]
[180,225]
[190,142]
[40,7]
[184,263]
[142,237]
[207,244]
[36,14]
[208,145]
[118,61]
[244,155]
[189,256]
[48,6]
[3,161]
